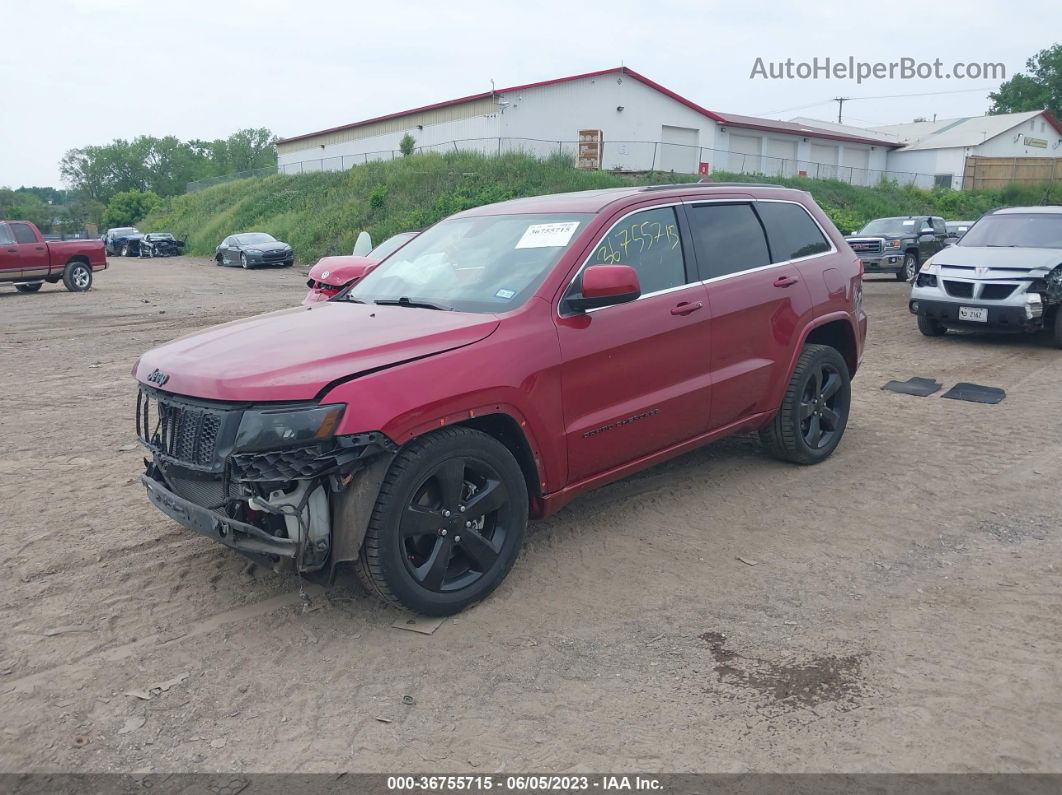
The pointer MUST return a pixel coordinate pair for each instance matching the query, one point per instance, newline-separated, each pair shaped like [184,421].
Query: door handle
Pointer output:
[13,250]
[40,248]
[785,281]
[686,308]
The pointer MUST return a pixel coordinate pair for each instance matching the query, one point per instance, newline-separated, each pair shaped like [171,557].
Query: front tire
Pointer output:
[243,262]
[125,250]
[814,411]
[910,268]
[32,287]
[448,523]
[77,277]
[930,327]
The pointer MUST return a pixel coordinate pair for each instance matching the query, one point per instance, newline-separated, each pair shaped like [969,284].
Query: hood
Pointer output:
[294,353]
[1011,259]
[340,270]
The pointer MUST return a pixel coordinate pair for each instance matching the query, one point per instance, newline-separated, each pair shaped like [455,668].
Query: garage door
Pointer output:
[745,153]
[823,161]
[679,150]
[781,158]
[856,164]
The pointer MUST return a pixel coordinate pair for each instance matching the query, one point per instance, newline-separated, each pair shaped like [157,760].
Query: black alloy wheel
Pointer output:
[448,523]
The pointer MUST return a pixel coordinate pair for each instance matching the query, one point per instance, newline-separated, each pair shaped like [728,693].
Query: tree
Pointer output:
[23,206]
[407,145]
[129,207]
[162,165]
[1039,90]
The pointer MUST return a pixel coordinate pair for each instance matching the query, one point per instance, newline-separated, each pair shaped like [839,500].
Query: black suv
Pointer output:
[899,245]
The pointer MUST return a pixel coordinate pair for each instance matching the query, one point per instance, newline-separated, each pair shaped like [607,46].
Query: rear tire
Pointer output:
[426,548]
[31,287]
[814,411]
[930,327]
[77,277]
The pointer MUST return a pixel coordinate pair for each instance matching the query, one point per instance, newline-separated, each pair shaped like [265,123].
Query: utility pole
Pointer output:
[840,105]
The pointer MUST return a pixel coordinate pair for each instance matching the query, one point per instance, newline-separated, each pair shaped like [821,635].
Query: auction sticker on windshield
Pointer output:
[548,235]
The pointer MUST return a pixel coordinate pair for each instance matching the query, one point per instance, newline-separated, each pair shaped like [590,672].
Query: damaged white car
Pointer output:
[1005,274]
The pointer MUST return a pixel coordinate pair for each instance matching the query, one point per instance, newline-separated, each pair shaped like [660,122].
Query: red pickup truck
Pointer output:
[506,360]
[28,260]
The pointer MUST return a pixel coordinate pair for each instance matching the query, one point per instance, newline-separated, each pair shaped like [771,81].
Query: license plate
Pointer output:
[979,315]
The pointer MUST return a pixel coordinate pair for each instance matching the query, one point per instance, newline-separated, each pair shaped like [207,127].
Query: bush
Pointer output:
[129,207]
[407,145]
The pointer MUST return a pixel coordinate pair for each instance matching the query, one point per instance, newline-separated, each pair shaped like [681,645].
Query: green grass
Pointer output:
[321,214]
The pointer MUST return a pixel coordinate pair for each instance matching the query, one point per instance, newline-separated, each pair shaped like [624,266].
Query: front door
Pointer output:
[758,304]
[32,253]
[635,376]
[10,265]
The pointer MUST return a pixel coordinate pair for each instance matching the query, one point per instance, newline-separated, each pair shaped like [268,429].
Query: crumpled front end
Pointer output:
[1011,298]
[257,479]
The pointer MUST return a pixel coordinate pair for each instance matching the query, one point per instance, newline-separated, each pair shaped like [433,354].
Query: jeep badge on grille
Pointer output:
[158,377]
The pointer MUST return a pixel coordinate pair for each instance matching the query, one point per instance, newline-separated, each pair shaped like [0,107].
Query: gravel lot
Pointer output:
[898,608]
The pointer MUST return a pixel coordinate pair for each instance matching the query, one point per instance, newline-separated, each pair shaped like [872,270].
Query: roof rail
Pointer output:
[685,185]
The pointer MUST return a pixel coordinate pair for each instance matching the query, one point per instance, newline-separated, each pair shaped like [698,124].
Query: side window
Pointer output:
[791,232]
[5,235]
[23,234]
[729,238]
[649,242]
[938,226]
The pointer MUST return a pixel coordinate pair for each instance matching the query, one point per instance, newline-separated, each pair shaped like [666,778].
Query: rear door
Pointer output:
[635,376]
[32,252]
[758,302]
[10,265]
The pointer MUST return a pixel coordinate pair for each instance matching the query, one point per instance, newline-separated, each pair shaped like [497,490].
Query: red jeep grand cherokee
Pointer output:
[508,359]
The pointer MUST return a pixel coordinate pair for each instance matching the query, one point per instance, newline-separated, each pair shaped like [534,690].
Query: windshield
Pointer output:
[891,226]
[256,237]
[489,263]
[391,245]
[124,231]
[1023,230]
[161,236]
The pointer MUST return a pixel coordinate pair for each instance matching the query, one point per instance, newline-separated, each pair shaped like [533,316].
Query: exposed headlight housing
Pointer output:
[1034,306]
[925,280]
[270,429]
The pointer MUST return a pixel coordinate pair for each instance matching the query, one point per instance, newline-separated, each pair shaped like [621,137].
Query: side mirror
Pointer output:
[363,245]
[606,285]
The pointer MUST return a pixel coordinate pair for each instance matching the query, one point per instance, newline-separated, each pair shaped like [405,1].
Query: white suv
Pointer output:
[1005,274]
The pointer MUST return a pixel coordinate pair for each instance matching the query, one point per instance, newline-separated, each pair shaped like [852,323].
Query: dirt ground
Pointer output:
[903,613]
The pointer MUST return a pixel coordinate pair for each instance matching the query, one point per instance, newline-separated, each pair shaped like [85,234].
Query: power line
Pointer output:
[883,96]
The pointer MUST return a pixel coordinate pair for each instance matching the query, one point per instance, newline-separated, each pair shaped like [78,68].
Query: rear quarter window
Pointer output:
[791,231]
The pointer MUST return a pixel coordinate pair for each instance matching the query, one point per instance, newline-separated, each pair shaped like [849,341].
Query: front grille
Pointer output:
[185,432]
[997,292]
[959,289]
[866,246]
[272,256]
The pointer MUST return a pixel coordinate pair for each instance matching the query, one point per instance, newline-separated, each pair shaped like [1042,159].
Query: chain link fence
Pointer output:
[620,157]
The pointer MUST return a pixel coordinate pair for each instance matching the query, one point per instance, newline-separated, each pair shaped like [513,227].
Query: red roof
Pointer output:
[732,120]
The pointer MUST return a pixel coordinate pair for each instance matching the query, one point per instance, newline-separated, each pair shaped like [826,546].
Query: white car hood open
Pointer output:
[988,262]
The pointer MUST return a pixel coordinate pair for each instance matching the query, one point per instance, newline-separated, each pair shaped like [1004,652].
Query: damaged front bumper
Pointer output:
[241,536]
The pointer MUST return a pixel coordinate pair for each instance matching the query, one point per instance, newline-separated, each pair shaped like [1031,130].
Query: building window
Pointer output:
[942,181]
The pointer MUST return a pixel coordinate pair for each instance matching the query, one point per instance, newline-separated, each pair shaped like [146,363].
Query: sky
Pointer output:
[90,71]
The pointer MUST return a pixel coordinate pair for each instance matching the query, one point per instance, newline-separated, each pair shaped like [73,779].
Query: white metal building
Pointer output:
[940,148]
[643,124]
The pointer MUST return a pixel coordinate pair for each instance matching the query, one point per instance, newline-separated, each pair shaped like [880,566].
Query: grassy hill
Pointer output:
[322,213]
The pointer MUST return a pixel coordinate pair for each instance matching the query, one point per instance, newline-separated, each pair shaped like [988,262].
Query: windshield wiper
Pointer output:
[403,301]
